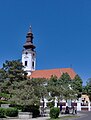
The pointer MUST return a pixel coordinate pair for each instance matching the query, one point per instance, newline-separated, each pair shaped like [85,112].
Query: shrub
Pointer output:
[35,112]
[3,102]
[2,112]
[54,112]
[32,108]
[26,108]
[51,104]
[18,107]
[11,112]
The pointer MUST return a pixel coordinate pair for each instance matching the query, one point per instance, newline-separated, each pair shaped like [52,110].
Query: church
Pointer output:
[29,62]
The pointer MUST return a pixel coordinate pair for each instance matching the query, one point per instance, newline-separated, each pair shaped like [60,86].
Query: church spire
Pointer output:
[29,40]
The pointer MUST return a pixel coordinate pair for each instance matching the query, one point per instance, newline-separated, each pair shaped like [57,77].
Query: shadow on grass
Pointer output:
[64,118]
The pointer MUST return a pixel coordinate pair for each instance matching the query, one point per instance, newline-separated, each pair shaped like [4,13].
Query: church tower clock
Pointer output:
[29,54]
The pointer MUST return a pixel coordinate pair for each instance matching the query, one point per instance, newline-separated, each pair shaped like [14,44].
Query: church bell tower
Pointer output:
[29,54]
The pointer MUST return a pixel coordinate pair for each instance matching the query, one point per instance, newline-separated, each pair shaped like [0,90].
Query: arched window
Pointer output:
[25,63]
[33,64]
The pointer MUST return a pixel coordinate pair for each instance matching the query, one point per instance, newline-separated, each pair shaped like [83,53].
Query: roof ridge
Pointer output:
[53,69]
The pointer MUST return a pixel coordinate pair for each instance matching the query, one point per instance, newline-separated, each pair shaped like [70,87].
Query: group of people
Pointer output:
[67,109]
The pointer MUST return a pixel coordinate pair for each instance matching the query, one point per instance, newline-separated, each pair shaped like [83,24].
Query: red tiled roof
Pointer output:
[50,72]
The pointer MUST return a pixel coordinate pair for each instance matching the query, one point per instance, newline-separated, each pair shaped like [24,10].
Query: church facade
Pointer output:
[29,62]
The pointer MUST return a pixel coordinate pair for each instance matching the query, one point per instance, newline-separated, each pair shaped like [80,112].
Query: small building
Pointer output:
[85,99]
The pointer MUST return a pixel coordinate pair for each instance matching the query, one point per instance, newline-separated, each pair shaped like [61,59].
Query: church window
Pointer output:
[26,53]
[33,64]
[33,54]
[25,63]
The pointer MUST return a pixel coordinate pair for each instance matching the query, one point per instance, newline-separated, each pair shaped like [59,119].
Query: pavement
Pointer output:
[85,116]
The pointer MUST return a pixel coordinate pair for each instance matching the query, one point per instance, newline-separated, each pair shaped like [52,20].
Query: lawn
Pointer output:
[64,117]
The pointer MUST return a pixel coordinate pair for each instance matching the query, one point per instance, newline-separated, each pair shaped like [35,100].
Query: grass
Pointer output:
[64,117]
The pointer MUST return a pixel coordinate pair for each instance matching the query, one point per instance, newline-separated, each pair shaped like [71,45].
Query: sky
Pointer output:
[61,28]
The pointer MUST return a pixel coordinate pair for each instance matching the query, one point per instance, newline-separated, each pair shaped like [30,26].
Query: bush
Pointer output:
[18,107]
[32,108]
[3,102]
[26,108]
[54,112]
[11,112]
[2,112]
[51,104]
[35,112]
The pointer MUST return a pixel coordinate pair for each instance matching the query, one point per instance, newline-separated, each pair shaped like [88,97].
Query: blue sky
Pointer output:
[62,32]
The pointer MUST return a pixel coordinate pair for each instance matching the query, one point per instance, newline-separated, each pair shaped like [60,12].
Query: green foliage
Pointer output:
[54,112]
[27,108]
[53,87]
[61,87]
[84,89]
[5,86]
[32,108]
[2,112]
[51,104]
[4,95]
[77,85]
[65,78]
[35,112]
[4,102]
[28,92]
[11,112]
[88,88]
[17,89]
[66,89]
[18,107]
[12,70]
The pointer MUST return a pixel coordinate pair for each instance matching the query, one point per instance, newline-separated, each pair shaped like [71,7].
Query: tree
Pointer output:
[88,88]
[77,85]
[53,87]
[21,89]
[12,70]
[65,78]
[28,92]
[84,89]
[61,87]
[66,87]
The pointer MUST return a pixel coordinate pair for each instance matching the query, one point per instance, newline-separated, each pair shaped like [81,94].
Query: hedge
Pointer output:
[54,112]
[11,112]
[2,112]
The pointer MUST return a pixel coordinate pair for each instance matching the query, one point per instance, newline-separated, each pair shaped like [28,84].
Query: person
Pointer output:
[67,110]
[73,109]
[60,107]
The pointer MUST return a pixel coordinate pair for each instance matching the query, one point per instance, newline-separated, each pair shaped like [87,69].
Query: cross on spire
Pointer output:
[30,28]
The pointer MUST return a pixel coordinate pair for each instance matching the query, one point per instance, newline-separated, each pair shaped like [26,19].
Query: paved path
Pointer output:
[85,116]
